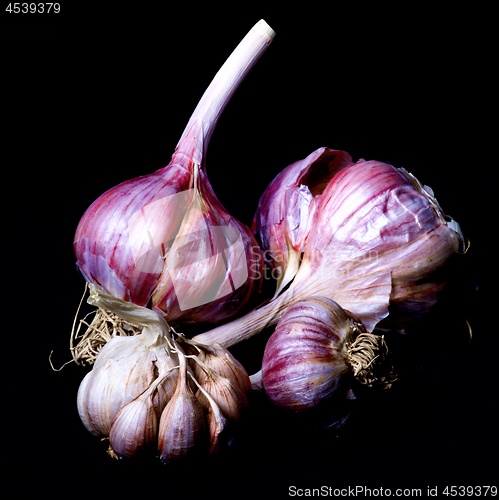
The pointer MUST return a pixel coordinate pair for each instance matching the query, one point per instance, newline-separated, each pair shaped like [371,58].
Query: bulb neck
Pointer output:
[222,87]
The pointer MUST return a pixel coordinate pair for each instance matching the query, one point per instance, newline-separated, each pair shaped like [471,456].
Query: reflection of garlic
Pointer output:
[155,393]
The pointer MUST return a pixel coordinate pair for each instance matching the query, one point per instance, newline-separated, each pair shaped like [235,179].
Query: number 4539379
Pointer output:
[33,8]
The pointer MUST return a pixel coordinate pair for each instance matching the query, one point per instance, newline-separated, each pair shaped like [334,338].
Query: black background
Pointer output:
[94,97]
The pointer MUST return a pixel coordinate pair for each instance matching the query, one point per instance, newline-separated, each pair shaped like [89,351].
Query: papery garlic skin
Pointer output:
[220,360]
[378,244]
[124,368]
[135,428]
[286,209]
[231,400]
[182,429]
[303,362]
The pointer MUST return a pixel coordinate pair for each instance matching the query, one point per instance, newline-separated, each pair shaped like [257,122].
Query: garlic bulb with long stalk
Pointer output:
[378,243]
[164,240]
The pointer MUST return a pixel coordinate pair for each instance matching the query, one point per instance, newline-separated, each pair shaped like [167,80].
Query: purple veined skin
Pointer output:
[285,210]
[303,362]
[155,221]
[164,240]
[381,246]
[378,243]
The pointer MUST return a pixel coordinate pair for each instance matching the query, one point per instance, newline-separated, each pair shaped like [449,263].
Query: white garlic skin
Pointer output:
[134,430]
[223,362]
[125,367]
[303,363]
[182,428]
[217,429]
[231,400]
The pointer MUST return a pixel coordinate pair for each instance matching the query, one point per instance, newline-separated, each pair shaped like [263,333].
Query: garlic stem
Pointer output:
[201,124]
[250,324]
[202,364]
[256,381]
[182,368]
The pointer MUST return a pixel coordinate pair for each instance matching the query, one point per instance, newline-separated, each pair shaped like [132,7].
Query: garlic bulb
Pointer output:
[377,242]
[384,241]
[164,240]
[314,353]
[158,393]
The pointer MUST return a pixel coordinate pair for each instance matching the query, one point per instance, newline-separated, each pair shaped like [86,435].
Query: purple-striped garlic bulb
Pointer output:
[316,352]
[164,240]
[376,241]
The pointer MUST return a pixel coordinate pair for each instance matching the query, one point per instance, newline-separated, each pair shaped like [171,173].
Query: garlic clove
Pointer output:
[224,363]
[218,425]
[124,368]
[182,428]
[97,426]
[134,429]
[231,400]
[218,429]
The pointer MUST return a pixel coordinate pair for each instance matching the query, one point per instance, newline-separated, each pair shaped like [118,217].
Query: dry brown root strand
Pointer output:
[369,358]
[85,345]
[104,326]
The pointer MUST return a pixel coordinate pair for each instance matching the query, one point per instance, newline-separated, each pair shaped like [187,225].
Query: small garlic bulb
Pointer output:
[313,355]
